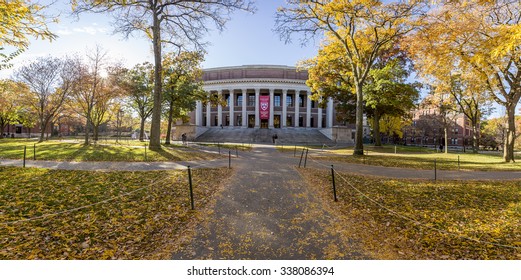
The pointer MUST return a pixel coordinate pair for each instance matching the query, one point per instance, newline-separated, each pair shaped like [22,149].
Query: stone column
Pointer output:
[272,115]
[257,112]
[232,109]
[297,105]
[220,110]
[198,113]
[209,113]
[319,118]
[284,107]
[244,113]
[329,112]
[308,109]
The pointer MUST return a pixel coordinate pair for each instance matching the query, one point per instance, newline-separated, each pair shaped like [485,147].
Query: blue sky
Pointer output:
[247,39]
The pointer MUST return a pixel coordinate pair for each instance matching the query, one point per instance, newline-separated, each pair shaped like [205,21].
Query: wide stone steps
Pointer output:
[259,135]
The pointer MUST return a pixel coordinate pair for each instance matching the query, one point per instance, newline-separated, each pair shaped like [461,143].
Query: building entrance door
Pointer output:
[276,121]
[264,124]
[251,121]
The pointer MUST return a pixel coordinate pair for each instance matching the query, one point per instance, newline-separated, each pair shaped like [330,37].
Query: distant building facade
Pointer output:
[427,128]
[261,96]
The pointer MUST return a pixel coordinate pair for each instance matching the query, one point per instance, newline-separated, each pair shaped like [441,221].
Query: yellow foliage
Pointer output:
[21,19]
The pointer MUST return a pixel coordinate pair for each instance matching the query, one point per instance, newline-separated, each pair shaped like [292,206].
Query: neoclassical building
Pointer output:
[261,96]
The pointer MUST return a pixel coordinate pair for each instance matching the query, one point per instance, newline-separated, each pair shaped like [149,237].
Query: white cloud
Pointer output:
[64,32]
[90,30]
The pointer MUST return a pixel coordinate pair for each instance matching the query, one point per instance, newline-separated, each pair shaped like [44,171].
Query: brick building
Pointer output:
[427,128]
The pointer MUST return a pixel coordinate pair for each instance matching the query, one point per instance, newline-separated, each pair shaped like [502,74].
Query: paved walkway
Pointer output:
[115,166]
[267,211]
[361,169]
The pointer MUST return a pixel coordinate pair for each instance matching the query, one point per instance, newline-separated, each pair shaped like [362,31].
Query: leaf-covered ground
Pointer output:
[72,151]
[57,214]
[419,158]
[427,220]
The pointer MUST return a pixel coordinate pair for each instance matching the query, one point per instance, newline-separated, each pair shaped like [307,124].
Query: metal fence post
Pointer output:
[191,189]
[229,159]
[34,152]
[301,155]
[25,153]
[435,171]
[306,159]
[334,185]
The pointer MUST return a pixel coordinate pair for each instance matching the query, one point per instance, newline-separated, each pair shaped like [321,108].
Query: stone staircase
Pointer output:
[258,135]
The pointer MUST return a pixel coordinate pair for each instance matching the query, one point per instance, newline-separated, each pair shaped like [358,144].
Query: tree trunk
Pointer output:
[445,131]
[155,130]
[508,149]
[142,130]
[87,129]
[42,131]
[475,138]
[376,127]
[95,130]
[2,131]
[359,144]
[170,119]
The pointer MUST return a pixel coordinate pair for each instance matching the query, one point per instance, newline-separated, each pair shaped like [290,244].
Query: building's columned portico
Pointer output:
[260,96]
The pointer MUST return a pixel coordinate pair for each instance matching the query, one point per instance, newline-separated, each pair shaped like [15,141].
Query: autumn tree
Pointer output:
[50,82]
[138,83]
[181,24]
[480,37]
[445,112]
[103,110]
[393,126]
[121,116]
[387,93]
[20,20]
[90,93]
[363,28]
[472,100]
[329,77]
[493,133]
[10,106]
[182,85]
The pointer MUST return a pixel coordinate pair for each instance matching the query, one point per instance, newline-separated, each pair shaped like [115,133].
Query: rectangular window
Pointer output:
[289,101]
[301,101]
[276,101]
[251,100]
[239,100]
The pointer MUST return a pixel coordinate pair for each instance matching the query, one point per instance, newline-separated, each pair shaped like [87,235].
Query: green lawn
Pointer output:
[412,219]
[58,214]
[231,147]
[73,151]
[420,158]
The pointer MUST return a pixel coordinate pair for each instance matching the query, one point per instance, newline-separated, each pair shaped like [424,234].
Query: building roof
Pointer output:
[279,72]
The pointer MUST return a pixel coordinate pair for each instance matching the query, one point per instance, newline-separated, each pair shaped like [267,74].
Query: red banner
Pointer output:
[264,104]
